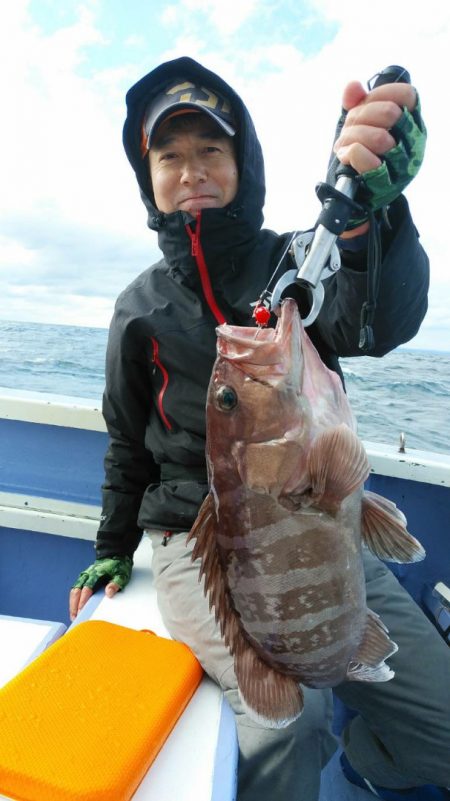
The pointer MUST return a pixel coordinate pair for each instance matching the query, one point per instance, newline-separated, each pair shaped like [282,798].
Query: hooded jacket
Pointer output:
[162,340]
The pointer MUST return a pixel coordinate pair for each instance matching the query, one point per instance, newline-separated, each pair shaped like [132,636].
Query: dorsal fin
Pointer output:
[216,588]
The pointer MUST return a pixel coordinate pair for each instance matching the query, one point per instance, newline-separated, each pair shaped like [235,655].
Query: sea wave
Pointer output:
[405,391]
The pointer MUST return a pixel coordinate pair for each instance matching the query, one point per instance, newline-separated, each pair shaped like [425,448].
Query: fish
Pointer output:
[280,533]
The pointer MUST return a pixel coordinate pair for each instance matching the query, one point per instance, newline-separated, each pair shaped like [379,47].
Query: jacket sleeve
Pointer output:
[402,299]
[129,466]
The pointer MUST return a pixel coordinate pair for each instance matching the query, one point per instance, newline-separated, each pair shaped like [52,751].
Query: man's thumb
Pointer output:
[354,92]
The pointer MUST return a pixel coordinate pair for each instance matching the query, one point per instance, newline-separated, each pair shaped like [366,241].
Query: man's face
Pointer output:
[192,170]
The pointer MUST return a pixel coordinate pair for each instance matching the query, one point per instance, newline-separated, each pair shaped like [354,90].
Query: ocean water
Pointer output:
[406,391]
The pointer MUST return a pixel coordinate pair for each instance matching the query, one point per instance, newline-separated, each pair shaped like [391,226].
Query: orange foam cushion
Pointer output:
[86,719]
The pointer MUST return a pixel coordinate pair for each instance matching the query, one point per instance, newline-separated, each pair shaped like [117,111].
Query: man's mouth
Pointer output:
[195,198]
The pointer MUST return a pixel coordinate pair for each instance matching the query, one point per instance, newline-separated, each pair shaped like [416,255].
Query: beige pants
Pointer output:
[274,764]
[401,737]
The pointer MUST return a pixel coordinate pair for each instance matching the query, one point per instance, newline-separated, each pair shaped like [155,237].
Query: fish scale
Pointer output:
[280,534]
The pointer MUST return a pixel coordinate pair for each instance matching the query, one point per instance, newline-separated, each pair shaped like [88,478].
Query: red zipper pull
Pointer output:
[158,364]
[195,238]
[197,253]
[155,351]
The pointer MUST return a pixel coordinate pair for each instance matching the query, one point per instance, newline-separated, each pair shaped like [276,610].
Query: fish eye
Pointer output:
[226,398]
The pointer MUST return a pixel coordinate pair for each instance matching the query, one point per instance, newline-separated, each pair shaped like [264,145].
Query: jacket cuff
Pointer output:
[354,244]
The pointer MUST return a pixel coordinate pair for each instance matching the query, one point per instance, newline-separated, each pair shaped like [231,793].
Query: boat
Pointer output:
[51,470]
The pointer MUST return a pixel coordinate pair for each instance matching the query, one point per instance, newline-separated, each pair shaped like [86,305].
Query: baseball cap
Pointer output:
[185,96]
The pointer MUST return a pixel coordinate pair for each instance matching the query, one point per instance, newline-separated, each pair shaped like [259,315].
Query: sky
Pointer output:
[73,229]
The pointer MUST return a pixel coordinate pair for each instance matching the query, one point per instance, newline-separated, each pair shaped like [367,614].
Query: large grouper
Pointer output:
[281,532]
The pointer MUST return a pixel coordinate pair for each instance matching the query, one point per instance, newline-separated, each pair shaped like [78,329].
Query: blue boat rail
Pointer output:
[51,470]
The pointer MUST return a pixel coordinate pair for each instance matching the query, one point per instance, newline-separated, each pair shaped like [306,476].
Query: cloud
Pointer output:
[61,272]
[218,13]
[73,225]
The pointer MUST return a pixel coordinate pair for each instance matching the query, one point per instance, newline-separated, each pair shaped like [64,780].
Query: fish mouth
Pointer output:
[262,346]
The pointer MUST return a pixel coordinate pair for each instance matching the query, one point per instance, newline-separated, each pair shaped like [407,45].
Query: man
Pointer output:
[199,166]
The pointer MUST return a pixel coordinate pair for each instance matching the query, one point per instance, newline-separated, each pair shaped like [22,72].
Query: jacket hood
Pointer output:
[246,208]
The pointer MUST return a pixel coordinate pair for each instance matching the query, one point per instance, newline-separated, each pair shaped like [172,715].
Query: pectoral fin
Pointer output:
[337,465]
[384,531]
[269,697]
[368,663]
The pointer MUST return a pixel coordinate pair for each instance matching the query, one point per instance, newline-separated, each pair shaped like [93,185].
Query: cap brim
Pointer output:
[184,108]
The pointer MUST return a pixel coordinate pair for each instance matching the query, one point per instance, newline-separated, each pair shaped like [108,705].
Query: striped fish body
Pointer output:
[297,584]
[280,532]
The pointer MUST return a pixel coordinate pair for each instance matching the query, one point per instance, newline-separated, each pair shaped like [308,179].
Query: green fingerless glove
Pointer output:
[114,568]
[400,165]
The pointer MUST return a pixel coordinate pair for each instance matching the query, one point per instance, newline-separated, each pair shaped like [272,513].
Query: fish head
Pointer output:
[255,386]
[269,396]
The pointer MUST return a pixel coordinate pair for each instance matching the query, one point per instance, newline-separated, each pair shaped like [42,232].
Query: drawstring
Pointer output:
[366,335]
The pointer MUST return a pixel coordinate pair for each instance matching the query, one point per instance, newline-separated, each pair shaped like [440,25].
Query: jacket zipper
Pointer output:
[165,375]
[197,253]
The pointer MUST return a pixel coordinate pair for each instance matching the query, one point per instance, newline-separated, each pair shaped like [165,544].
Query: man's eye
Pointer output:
[168,156]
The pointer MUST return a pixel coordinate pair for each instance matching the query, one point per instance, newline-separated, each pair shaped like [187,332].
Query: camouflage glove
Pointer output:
[114,568]
[399,166]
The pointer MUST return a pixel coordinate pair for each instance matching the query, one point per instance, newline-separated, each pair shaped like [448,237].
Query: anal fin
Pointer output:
[368,663]
[384,531]
[270,698]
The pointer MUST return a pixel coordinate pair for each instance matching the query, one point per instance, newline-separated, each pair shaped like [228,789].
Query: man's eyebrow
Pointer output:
[163,142]
[169,138]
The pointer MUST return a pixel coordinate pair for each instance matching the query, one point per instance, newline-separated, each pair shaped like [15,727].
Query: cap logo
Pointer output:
[211,100]
[185,94]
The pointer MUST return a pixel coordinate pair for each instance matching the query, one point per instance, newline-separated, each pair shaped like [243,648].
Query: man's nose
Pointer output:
[193,170]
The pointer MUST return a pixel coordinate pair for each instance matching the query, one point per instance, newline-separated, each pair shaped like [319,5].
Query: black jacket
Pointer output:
[162,340]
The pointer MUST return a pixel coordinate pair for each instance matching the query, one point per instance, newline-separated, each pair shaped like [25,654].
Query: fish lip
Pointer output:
[289,310]
[241,334]
[240,344]
[289,315]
